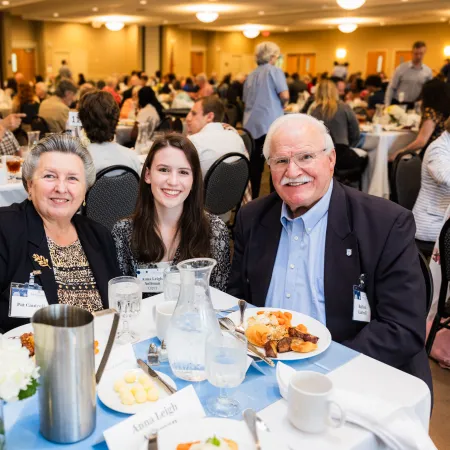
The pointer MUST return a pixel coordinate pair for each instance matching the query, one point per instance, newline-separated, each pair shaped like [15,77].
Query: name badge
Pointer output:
[361,307]
[25,300]
[152,280]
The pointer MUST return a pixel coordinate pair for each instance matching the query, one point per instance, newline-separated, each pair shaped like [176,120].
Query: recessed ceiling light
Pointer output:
[381,24]
[404,1]
[95,9]
[261,13]
[165,21]
[207,16]
[350,4]
[143,2]
[55,15]
[347,27]
[5,3]
[443,19]
[286,29]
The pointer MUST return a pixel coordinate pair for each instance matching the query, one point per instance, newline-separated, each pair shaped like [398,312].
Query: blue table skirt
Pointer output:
[257,391]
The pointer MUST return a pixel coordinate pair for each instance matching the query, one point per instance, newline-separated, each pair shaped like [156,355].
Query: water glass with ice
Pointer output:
[125,295]
[172,284]
[226,365]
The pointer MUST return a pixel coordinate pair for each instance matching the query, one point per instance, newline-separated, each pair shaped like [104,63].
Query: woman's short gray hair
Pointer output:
[63,143]
[265,51]
[297,120]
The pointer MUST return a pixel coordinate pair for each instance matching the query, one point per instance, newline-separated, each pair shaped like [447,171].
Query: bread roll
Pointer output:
[257,334]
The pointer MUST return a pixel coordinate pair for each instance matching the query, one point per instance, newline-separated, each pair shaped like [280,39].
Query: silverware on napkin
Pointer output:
[250,419]
[147,369]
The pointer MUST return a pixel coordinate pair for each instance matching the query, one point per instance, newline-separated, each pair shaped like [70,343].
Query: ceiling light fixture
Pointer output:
[341,53]
[350,4]
[143,2]
[114,26]
[447,50]
[347,27]
[207,16]
[96,24]
[251,32]
[5,3]
[95,9]
[261,13]
[55,15]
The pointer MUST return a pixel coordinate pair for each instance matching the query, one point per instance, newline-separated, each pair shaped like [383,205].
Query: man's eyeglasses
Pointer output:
[304,159]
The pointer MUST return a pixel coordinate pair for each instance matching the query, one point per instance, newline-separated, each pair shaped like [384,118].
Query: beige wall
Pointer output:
[176,45]
[97,53]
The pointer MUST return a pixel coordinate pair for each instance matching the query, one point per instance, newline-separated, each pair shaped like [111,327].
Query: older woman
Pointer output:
[99,115]
[434,195]
[169,223]
[72,257]
[130,105]
[265,94]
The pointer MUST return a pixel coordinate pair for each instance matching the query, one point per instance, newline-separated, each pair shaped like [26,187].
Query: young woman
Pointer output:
[169,223]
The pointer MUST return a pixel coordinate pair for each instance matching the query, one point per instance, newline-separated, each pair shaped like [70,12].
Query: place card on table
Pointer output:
[133,432]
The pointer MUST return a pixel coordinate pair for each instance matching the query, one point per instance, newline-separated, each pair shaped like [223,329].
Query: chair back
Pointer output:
[31,110]
[165,124]
[428,280]
[231,115]
[113,195]
[247,137]
[177,125]
[38,123]
[225,183]
[444,251]
[21,136]
[406,179]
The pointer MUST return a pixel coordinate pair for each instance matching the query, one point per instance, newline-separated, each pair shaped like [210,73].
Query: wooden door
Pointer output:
[292,64]
[307,63]
[376,62]
[402,56]
[26,62]
[197,63]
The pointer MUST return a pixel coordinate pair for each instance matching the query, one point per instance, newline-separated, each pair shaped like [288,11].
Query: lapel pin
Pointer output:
[349,252]
[43,262]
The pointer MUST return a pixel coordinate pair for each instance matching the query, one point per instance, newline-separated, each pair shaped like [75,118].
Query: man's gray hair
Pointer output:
[42,85]
[63,87]
[62,143]
[265,51]
[201,77]
[298,121]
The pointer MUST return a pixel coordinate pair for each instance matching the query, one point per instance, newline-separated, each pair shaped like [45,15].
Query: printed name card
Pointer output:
[74,120]
[133,432]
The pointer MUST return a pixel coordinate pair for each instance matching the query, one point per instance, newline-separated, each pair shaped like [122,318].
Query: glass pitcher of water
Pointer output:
[142,140]
[193,321]
[377,118]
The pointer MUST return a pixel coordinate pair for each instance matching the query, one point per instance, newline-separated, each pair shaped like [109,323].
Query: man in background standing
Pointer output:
[409,77]
[64,71]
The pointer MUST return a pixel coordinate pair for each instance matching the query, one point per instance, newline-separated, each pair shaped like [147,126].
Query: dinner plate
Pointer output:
[314,327]
[111,398]
[202,429]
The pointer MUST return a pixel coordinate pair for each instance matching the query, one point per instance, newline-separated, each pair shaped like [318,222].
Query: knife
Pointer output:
[147,369]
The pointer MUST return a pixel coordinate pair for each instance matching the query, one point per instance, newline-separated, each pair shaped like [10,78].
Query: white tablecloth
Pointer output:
[379,147]
[12,193]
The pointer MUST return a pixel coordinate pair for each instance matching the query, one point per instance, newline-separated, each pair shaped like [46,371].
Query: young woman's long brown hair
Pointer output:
[327,99]
[193,226]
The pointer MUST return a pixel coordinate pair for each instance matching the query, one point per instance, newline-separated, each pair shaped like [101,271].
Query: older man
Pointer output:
[55,110]
[331,252]
[409,78]
[41,91]
[205,89]
[211,139]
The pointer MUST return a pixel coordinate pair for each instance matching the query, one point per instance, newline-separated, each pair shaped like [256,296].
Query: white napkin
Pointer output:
[397,428]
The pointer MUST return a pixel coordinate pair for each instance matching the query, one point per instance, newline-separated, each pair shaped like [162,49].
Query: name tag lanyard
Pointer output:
[24,291]
[361,307]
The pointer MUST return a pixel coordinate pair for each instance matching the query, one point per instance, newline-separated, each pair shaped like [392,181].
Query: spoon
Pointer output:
[242,307]
[250,420]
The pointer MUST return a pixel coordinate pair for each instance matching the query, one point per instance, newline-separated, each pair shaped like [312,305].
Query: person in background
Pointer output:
[8,142]
[435,111]
[55,110]
[306,247]
[111,85]
[100,84]
[265,95]
[79,252]
[409,78]
[81,80]
[224,85]
[340,70]
[189,85]
[181,98]
[131,105]
[134,81]
[123,83]
[214,80]
[205,89]
[64,71]
[26,102]
[99,115]
[375,87]
[296,87]
[445,71]
[149,106]
[11,87]
[41,91]
[169,223]
[210,138]
[20,78]
[434,195]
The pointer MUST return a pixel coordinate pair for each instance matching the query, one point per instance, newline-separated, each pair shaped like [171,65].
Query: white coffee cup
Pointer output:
[162,313]
[309,402]
[401,97]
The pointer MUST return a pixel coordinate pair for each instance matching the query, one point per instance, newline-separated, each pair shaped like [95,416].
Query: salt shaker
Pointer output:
[163,352]
[153,356]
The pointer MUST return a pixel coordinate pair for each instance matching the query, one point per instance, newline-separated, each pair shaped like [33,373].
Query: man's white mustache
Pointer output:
[301,179]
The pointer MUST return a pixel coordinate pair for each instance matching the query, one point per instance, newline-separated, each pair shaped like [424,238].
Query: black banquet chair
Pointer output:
[38,123]
[247,137]
[225,183]
[231,115]
[113,195]
[442,317]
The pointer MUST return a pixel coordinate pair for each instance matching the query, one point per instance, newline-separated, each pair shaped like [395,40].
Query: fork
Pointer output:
[152,441]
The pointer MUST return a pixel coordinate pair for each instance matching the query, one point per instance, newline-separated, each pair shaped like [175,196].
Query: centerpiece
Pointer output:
[18,377]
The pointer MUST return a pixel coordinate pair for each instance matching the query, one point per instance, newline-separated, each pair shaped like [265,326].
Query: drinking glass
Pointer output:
[33,138]
[226,364]
[171,283]
[12,166]
[125,294]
